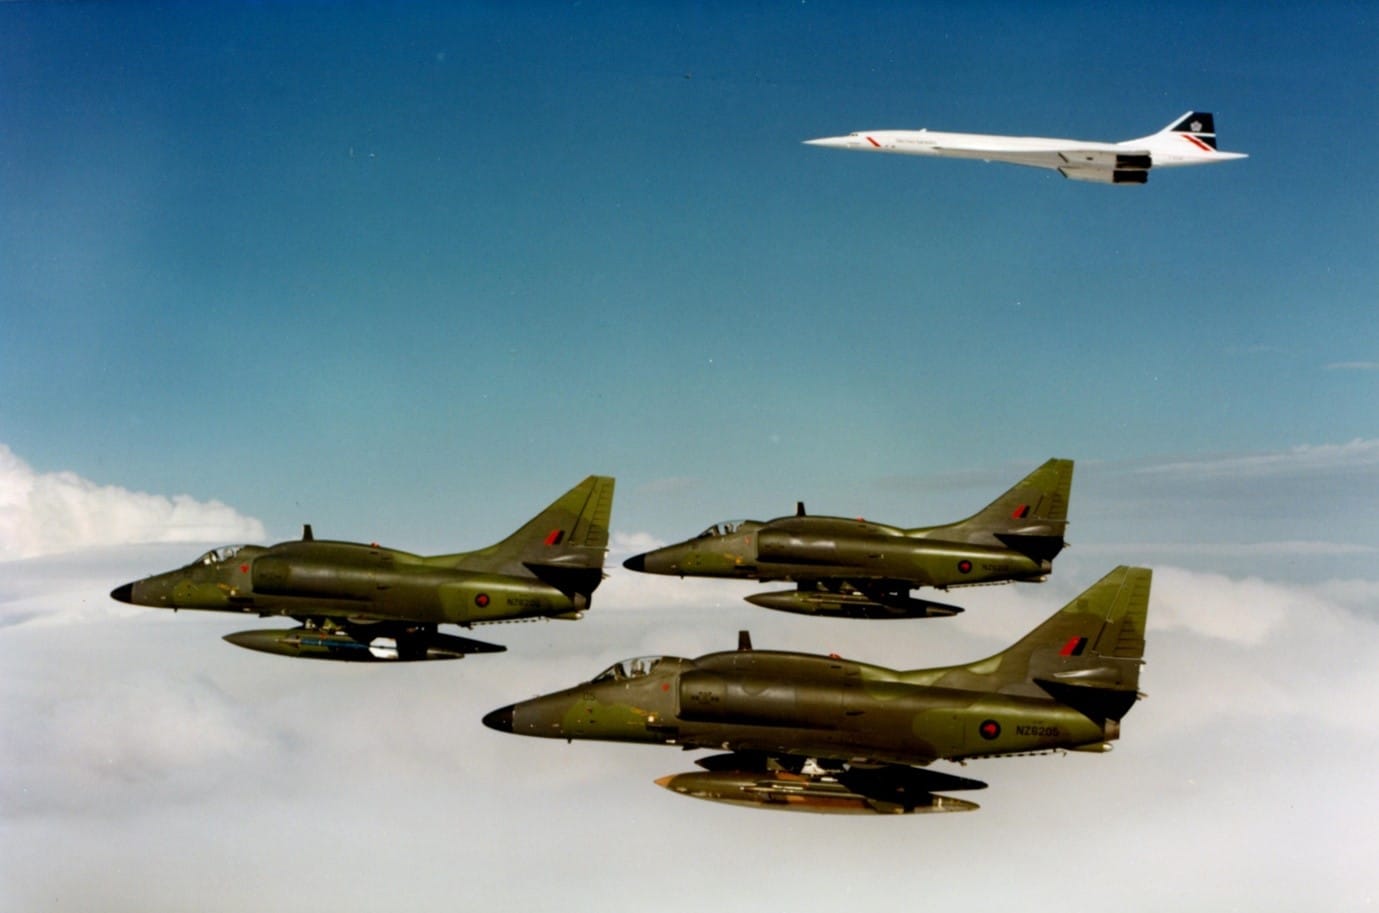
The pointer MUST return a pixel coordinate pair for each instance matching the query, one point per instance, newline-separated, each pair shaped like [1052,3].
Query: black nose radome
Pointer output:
[123,593]
[500,719]
[635,563]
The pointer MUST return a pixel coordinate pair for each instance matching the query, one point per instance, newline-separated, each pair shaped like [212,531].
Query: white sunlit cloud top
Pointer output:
[45,513]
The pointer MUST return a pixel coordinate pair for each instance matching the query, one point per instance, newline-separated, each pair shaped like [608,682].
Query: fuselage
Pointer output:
[799,704]
[958,145]
[815,547]
[1158,151]
[346,580]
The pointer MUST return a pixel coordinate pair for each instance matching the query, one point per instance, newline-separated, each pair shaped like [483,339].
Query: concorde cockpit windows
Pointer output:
[631,668]
[726,528]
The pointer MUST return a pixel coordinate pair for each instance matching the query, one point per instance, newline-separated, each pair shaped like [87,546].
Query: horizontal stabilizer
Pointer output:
[1040,548]
[569,580]
[1093,702]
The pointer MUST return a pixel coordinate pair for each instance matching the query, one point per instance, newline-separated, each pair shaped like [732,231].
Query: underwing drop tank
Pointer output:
[340,646]
[785,791]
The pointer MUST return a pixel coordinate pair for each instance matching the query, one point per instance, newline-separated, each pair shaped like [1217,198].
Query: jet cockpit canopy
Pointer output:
[217,555]
[635,668]
[726,528]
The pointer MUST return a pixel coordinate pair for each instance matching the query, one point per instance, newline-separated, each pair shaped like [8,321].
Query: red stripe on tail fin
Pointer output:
[1073,647]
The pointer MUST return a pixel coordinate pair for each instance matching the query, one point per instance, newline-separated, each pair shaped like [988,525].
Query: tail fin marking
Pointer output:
[1198,126]
[565,542]
[1087,655]
[1031,517]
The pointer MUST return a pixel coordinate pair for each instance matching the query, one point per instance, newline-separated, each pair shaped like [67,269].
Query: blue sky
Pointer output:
[465,254]
[408,271]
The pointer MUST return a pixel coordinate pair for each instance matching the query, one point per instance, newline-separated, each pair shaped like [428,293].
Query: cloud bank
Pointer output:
[45,513]
[158,749]
[1358,454]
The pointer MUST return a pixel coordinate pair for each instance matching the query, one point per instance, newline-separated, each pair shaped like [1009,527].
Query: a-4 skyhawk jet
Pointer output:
[859,569]
[366,603]
[819,733]
[1189,140]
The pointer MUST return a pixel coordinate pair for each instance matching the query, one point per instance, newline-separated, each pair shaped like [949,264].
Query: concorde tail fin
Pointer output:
[1189,140]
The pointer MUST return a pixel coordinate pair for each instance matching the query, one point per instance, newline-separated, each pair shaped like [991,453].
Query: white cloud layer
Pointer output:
[163,760]
[44,513]
[1306,458]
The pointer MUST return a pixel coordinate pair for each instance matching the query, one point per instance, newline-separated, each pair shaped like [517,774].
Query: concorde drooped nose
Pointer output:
[500,719]
[123,593]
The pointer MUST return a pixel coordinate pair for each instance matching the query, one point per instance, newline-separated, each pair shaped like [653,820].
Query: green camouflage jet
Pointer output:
[366,603]
[858,569]
[824,734]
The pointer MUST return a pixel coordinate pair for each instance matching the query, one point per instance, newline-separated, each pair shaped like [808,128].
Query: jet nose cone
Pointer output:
[836,142]
[636,563]
[123,593]
[500,719]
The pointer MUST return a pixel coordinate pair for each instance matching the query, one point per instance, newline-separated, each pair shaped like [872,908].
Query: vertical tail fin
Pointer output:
[1032,517]
[564,545]
[1199,125]
[1189,140]
[1087,655]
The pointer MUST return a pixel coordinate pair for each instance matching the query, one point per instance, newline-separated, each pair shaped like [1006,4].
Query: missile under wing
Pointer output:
[1189,140]
[818,733]
[361,602]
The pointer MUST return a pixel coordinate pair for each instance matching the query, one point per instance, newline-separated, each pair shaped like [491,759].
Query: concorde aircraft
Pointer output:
[1189,140]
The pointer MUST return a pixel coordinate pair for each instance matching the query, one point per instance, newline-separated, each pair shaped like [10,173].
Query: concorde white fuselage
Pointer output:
[1190,140]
